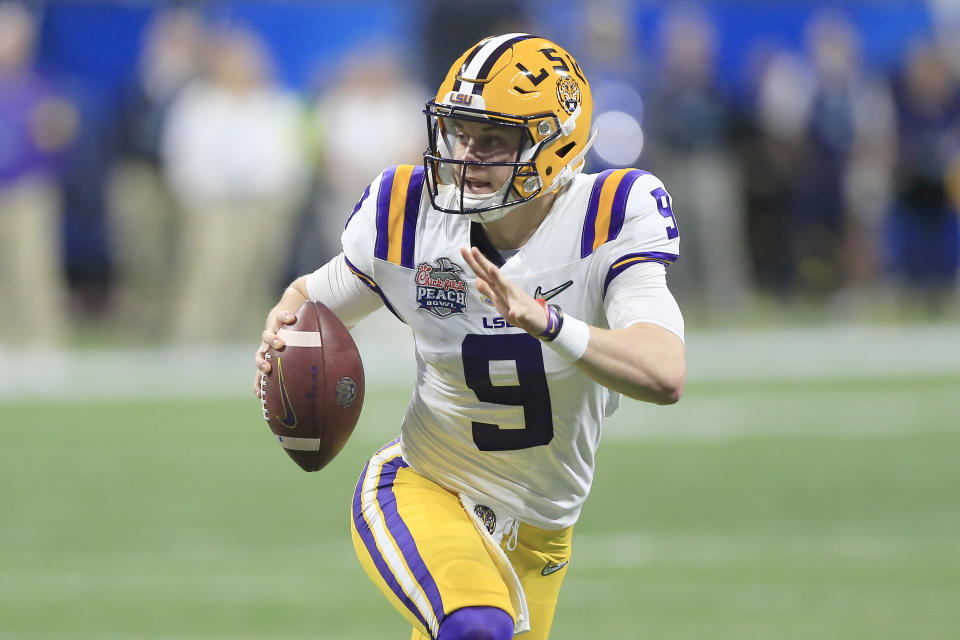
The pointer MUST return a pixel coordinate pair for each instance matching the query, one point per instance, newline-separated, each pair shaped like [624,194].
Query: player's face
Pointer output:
[476,141]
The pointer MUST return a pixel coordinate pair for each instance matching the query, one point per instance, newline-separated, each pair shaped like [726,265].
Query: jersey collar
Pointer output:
[479,239]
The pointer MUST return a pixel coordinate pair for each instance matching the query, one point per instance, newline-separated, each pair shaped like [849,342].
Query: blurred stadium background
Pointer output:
[164,162]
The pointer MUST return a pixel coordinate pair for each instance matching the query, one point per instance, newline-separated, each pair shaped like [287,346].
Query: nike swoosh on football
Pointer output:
[546,295]
[289,418]
[553,568]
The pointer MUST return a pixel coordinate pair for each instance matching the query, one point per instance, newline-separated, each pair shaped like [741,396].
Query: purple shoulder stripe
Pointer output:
[590,221]
[619,209]
[410,216]
[381,247]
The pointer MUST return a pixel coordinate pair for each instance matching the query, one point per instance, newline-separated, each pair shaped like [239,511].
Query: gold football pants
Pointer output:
[421,549]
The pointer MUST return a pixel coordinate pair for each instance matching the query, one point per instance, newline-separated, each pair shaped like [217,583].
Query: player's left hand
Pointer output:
[515,305]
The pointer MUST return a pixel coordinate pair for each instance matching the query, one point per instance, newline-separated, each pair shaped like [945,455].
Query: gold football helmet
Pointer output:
[524,83]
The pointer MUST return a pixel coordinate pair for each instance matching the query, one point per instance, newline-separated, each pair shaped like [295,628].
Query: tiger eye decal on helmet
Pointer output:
[520,83]
[568,93]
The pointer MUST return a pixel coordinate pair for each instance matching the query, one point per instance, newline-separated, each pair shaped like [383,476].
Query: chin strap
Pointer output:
[492,215]
[567,174]
[571,123]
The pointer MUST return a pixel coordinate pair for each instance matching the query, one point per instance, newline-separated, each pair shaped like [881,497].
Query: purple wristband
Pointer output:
[554,321]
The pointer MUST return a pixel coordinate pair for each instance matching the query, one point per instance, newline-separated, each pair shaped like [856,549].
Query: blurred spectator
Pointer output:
[774,152]
[923,233]
[370,118]
[946,31]
[614,65]
[233,160]
[689,146]
[833,203]
[849,125]
[34,125]
[141,207]
[823,144]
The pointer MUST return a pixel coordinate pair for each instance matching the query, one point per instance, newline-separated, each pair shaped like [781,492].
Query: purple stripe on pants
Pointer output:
[368,541]
[398,530]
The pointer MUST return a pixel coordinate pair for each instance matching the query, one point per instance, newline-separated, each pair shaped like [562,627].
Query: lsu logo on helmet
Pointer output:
[464,99]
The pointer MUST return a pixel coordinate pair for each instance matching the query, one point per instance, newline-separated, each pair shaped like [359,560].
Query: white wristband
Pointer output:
[571,343]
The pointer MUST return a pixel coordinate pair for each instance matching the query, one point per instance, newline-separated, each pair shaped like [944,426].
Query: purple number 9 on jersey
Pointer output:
[663,204]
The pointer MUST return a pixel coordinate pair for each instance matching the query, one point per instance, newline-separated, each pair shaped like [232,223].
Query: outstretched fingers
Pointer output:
[473,263]
[487,272]
[490,270]
[518,307]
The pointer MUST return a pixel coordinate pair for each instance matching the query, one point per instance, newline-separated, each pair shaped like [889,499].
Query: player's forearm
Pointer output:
[644,362]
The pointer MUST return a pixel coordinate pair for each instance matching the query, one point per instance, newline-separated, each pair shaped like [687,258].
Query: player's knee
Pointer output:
[477,623]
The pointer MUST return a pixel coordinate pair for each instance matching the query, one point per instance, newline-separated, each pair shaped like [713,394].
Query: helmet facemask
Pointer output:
[508,141]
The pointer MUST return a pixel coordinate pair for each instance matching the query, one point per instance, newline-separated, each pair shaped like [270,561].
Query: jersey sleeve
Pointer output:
[641,295]
[629,221]
[360,233]
[335,285]
[383,226]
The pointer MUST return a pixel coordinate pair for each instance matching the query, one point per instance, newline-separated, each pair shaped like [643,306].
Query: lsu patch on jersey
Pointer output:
[495,413]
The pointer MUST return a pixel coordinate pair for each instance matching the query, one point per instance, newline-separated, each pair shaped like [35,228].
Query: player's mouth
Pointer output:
[477,186]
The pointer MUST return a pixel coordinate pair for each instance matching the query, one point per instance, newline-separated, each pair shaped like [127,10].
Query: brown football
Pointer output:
[314,392]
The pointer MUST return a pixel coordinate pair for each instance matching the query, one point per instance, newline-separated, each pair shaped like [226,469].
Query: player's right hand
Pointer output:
[269,338]
[517,306]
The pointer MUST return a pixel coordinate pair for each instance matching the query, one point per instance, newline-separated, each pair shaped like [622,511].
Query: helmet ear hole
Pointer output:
[565,149]
[549,171]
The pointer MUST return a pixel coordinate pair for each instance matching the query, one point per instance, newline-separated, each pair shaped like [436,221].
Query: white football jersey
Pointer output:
[495,413]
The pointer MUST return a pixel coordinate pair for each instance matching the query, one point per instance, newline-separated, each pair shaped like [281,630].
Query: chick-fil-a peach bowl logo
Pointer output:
[440,288]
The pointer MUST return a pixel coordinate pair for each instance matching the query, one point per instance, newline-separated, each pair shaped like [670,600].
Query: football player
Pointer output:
[536,295]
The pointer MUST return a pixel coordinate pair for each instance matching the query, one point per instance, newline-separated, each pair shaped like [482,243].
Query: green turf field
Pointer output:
[780,510]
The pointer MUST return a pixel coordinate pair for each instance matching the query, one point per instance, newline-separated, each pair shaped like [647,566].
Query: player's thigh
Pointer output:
[541,559]
[419,546]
